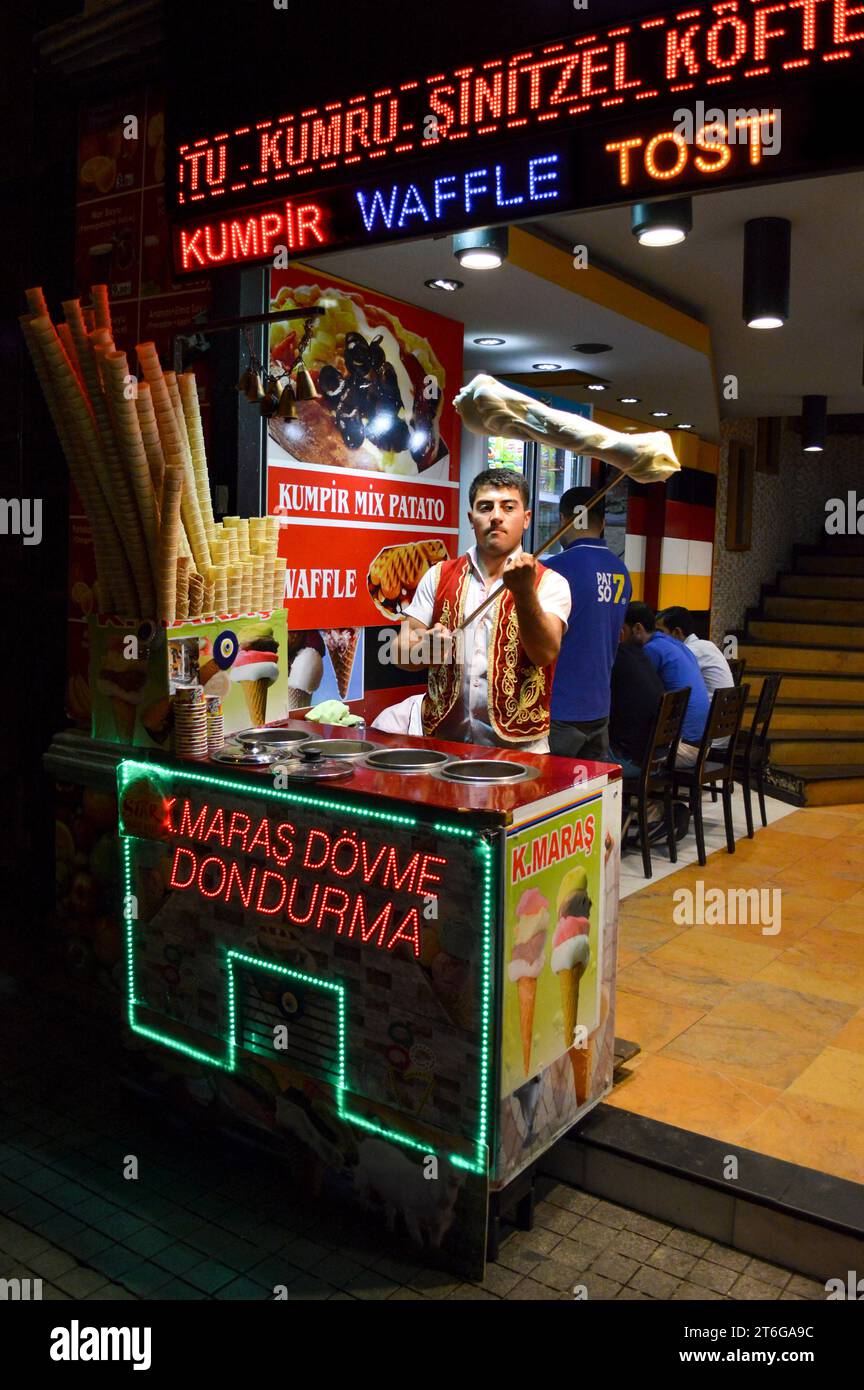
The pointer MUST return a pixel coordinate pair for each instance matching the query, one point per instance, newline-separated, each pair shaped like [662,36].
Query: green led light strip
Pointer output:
[130,768]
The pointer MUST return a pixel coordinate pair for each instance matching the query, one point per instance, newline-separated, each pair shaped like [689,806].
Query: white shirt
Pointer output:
[712,663]
[468,721]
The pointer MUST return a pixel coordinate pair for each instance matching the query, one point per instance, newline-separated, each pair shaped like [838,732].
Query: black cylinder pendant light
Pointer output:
[662,224]
[814,422]
[767,252]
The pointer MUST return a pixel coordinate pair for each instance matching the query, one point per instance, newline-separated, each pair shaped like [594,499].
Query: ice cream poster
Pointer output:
[365,474]
[552,962]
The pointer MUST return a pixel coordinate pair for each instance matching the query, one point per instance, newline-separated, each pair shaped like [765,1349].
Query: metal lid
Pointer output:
[339,747]
[406,759]
[485,770]
[269,736]
[324,769]
[247,757]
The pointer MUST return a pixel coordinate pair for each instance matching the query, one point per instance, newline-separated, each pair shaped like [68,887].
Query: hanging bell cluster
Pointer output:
[279,397]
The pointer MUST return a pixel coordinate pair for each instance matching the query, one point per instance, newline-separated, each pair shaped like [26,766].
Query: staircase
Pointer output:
[810,626]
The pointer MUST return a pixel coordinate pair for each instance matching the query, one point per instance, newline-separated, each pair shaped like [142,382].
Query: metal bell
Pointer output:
[270,403]
[245,381]
[287,407]
[255,389]
[304,386]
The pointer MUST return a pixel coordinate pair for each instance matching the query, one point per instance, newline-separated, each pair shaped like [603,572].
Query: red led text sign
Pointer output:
[307,876]
[558,86]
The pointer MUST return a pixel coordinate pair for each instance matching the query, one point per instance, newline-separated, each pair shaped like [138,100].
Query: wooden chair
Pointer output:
[751,757]
[659,763]
[714,766]
[736,665]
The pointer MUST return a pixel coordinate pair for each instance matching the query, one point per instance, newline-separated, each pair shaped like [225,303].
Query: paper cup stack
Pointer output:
[190,722]
[215,725]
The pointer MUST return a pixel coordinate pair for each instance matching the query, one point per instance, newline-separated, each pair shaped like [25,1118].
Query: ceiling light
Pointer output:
[589,349]
[596,386]
[489,342]
[767,249]
[629,400]
[660,414]
[443,284]
[546,366]
[485,248]
[662,224]
[814,420]
[683,427]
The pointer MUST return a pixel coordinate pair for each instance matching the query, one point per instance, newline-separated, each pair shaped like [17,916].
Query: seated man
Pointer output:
[677,667]
[636,694]
[678,623]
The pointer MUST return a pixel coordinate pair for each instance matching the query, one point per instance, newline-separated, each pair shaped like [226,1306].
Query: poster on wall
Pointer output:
[366,477]
[561,909]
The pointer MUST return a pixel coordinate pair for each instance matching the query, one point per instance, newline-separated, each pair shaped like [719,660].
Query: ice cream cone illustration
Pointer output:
[526,961]
[341,643]
[305,669]
[255,669]
[571,951]
[451,981]
[298,699]
[121,679]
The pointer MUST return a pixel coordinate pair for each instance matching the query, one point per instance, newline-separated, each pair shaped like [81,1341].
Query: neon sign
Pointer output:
[559,87]
[467,191]
[190,843]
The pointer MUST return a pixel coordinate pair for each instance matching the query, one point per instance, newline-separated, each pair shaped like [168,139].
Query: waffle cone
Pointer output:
[124,718]
[569,984]
[298,699]
[581,1062]
[256,701]
[527,997]
[343,662]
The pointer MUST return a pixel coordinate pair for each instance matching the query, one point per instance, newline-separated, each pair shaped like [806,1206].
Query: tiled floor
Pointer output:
[752,1037]
[208,1218]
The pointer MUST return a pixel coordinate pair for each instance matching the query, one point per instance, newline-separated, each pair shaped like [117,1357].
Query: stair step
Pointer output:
[801,746]
[841,691]
[818,610]
[850,565]
[821,585]
[792,634]
[816,717]
[829,661]
[817,784]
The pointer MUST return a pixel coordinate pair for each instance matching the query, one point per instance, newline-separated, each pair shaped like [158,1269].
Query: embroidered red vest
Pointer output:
[519,692]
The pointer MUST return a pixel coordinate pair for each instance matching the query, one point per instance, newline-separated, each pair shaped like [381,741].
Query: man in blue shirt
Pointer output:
[677,667]
[600,588]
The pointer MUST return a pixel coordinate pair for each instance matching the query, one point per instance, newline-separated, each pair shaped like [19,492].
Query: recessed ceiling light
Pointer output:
[489,342]
[546,366]
[660,414]
[444,284]
[596,386]
[589,349]
[683,426]
[629,400]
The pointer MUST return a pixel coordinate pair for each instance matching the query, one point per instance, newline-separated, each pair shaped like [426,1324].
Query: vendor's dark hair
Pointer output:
[677,617]
[500,477]
[640,613]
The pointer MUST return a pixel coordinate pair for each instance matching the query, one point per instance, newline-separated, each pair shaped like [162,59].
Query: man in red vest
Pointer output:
[492,682]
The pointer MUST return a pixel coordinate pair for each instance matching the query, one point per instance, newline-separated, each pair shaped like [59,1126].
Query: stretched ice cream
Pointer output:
[526,960]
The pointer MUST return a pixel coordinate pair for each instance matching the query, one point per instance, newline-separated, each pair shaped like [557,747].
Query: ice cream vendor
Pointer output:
[491,682]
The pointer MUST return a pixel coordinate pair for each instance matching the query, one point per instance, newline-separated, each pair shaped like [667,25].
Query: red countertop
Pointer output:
[555,775]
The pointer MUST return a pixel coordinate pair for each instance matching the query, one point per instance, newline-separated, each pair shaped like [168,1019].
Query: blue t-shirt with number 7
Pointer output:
[601,590]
